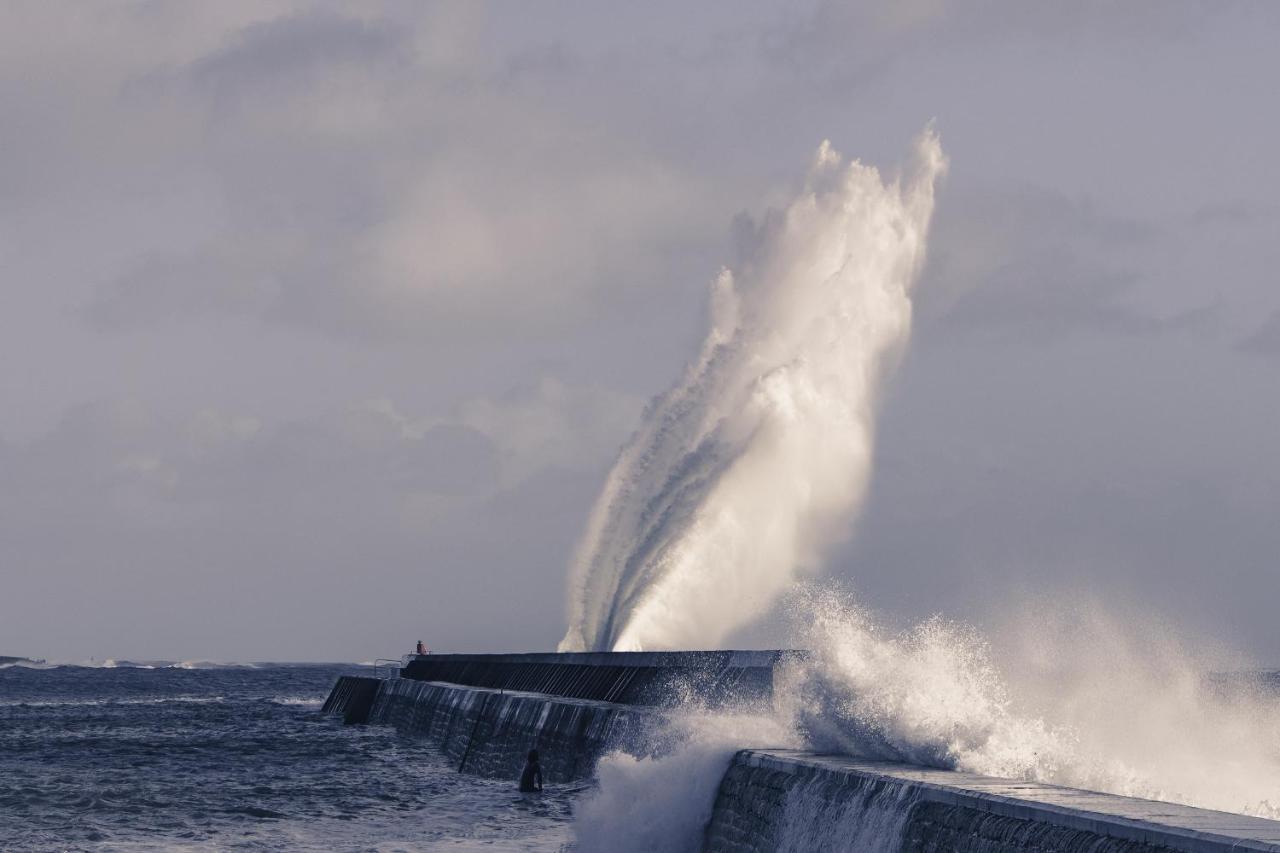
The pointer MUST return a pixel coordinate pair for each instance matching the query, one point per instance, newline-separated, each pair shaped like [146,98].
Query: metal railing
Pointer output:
[391,665]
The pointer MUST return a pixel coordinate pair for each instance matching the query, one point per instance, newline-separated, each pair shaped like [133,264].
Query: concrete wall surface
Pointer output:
[352,696]
[628,678]
[489,732]
[786,800]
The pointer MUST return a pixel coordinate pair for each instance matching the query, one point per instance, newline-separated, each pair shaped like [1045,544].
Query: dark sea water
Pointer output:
[235,758]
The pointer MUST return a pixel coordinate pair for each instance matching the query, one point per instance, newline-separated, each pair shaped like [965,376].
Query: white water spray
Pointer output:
[1089,698]
[744,473]
[741,475]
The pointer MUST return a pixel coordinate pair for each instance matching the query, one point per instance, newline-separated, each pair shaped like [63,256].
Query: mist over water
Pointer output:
[743,474]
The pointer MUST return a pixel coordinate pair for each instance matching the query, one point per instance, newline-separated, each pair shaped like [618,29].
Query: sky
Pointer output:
[321,324]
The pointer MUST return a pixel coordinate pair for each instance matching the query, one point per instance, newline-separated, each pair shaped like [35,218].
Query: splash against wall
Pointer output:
[742,475]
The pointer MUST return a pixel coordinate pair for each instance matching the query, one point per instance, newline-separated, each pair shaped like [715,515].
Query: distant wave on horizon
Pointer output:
[112,663]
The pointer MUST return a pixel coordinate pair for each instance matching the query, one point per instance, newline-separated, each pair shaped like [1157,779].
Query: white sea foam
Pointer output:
[211,664]
[745,472]
[89,703]
[296,700]
[113,663]
[110,663]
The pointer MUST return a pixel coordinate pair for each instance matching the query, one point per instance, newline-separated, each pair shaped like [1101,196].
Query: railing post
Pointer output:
[471,740]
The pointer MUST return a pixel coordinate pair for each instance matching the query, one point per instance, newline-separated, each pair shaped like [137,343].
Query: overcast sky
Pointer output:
[320,325]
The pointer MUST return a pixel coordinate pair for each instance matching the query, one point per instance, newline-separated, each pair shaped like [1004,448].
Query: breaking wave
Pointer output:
[743,474]
[1123,709]
[1087,699]
[754,463]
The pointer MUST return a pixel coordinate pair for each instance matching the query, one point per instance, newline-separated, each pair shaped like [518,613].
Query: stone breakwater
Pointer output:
[352,696]
[486,711]
[629,678]
[780,800]
[488,732]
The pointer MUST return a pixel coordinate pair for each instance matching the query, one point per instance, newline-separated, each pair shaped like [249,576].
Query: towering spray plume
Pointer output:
[754,463]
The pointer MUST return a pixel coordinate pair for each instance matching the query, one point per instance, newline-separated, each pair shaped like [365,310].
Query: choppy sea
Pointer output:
[236,758]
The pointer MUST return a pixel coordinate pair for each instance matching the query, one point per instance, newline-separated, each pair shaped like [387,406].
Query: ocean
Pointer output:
[193,756]
[198,757]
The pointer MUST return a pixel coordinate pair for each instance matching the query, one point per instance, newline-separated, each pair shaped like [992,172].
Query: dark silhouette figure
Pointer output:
[531,778]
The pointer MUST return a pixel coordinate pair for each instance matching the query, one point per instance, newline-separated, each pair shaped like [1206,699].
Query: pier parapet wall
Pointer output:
[352,696]
[784,800]
[627,678]
[486,711]
[488,732]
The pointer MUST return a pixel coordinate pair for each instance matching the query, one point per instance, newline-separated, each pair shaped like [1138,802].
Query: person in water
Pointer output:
[531,778]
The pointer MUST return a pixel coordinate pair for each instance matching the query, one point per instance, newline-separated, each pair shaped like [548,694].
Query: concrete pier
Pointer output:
[780,799]
[486,711]
[627,678]
[488,732]
[352,696]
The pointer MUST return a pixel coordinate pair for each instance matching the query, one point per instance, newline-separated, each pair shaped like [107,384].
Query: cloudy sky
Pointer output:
[320,325]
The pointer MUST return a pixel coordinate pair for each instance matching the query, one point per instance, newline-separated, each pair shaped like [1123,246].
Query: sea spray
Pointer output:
[1124,707]
[1121,706]
[663,802]
[930,695]
[744,473]
[740,477]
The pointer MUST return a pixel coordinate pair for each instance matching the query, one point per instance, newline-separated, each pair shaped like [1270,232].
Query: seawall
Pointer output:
[767,800]
[352,697]
[780,800]
[488,732]
[628,678]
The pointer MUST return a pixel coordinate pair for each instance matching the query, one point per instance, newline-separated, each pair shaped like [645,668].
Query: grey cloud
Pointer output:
[1240,212]
[295,53]
[1035,264]
[249,218]
[849,44]
[352,203]
[1048,295]
[454,459]
[1186,546]
[164,287]
[363,500]
[448,461]
[1265,340]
